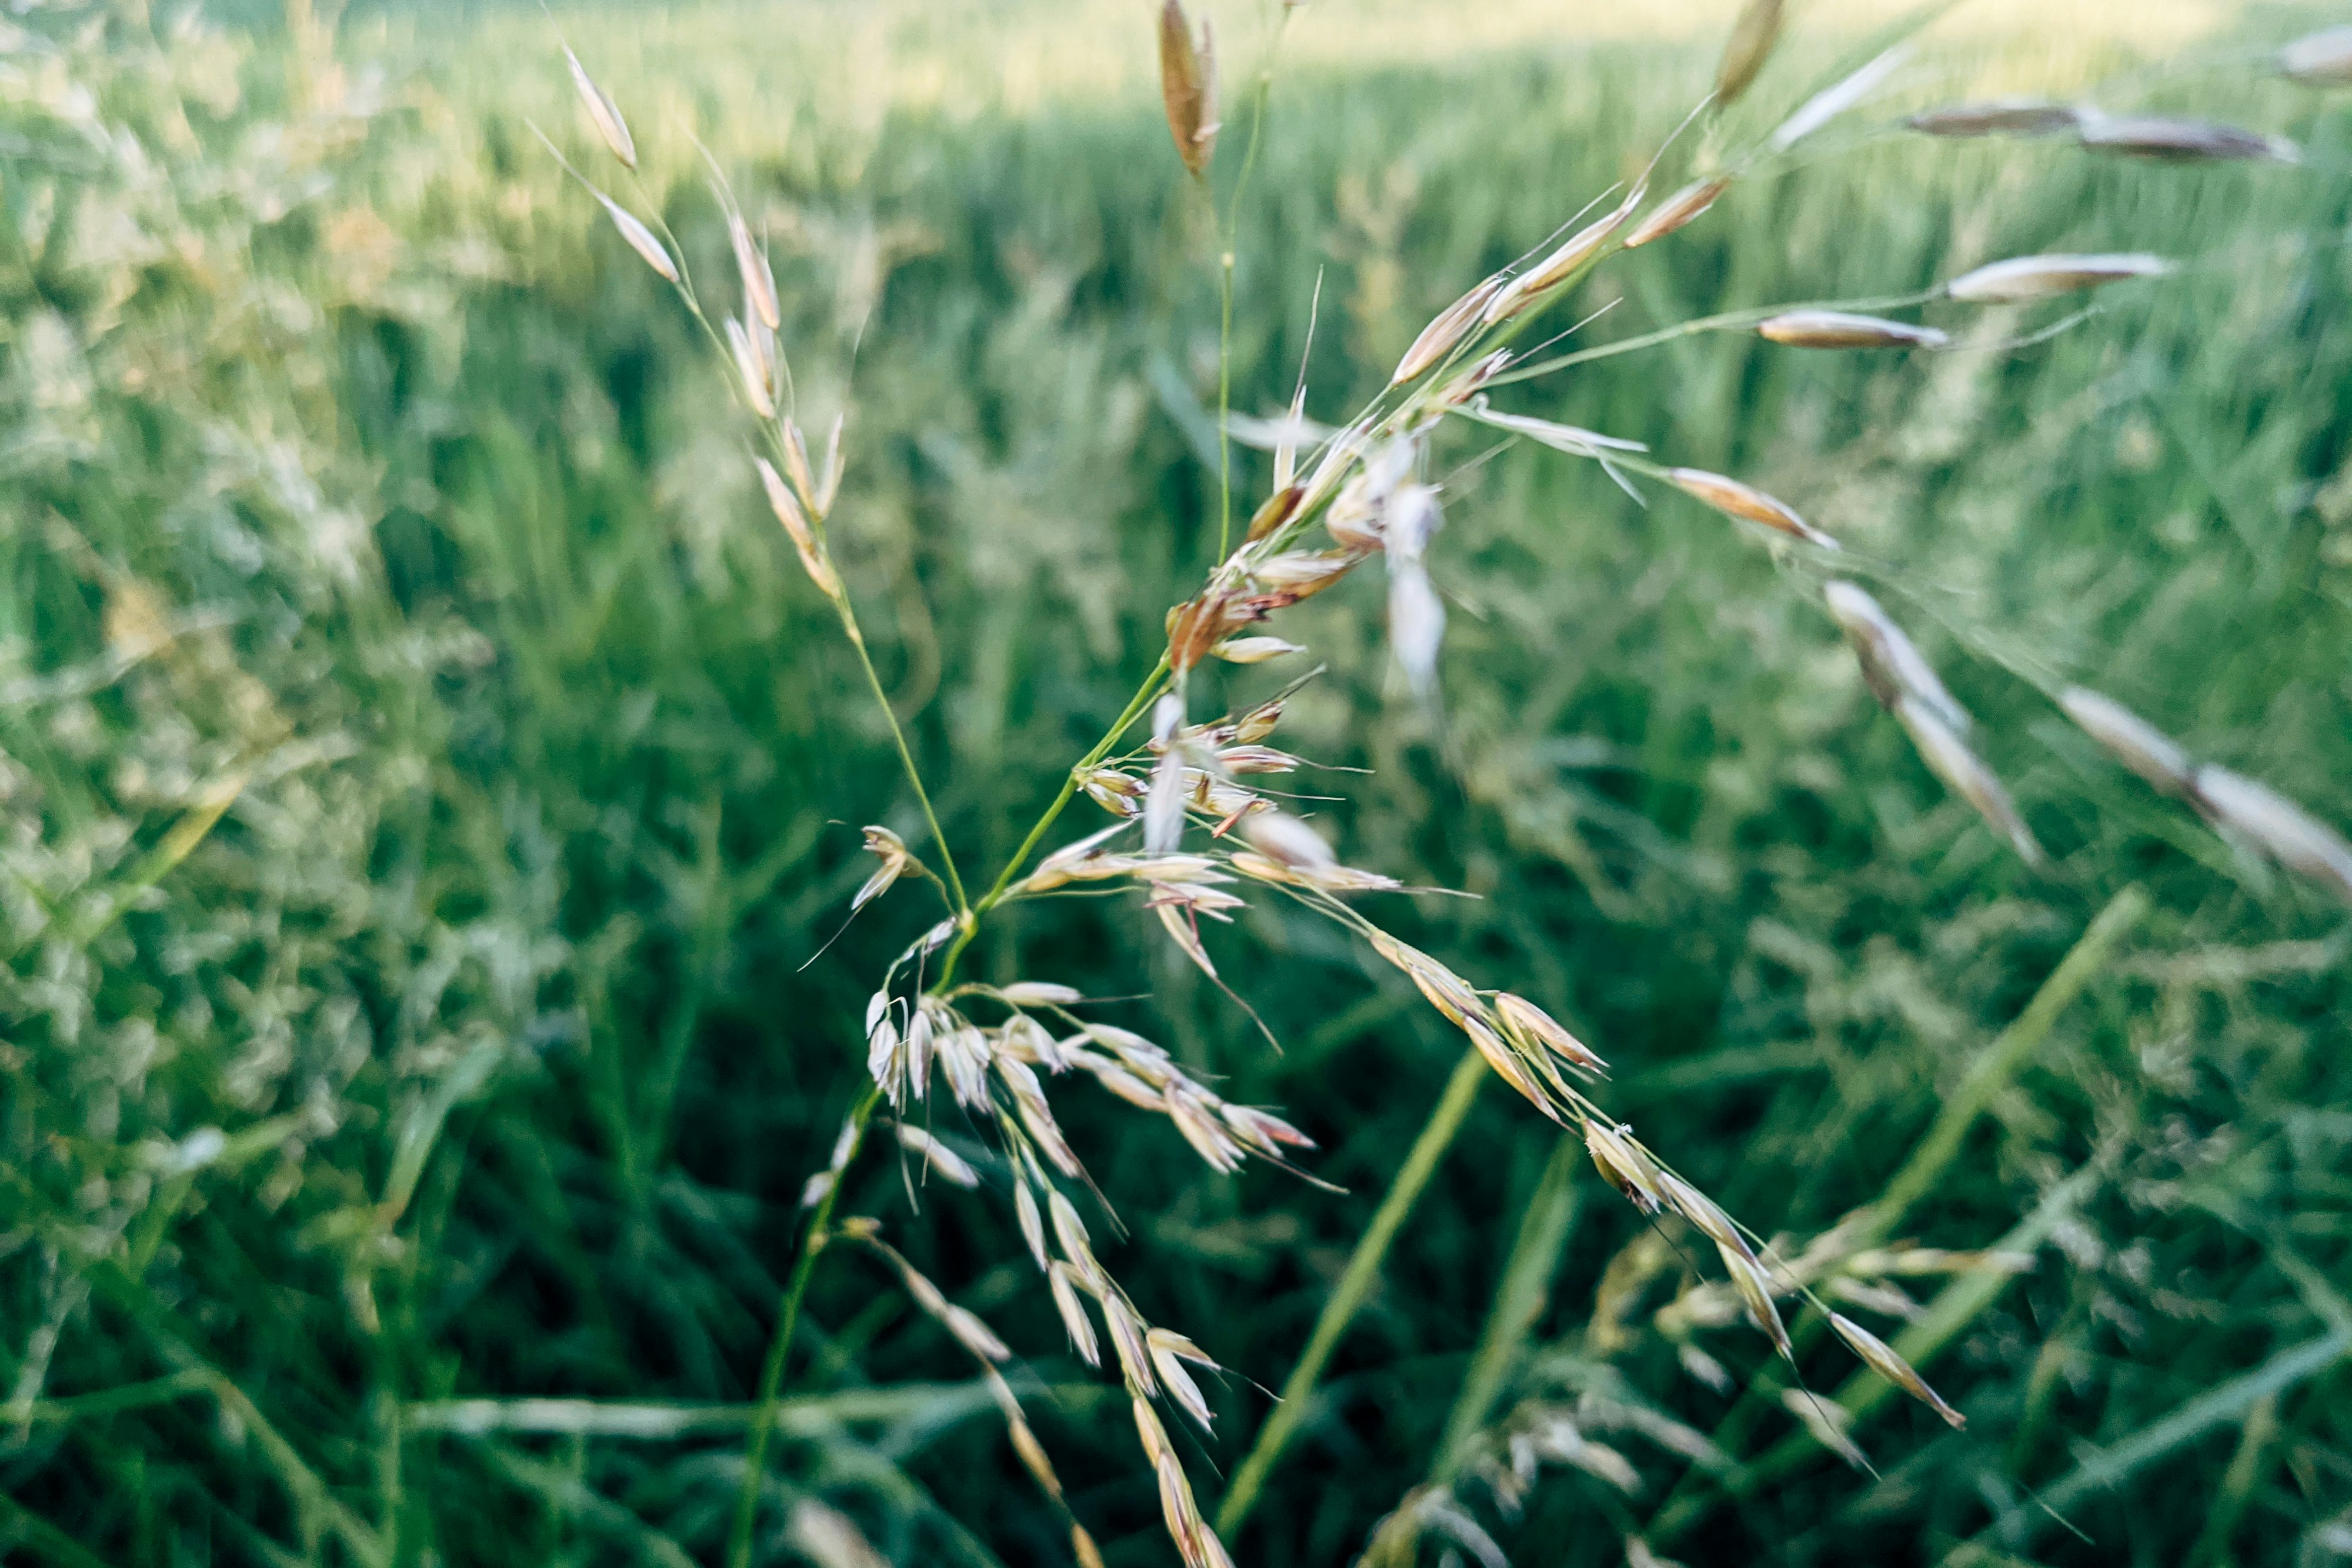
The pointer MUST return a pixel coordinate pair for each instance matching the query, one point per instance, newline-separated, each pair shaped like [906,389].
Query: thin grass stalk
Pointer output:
[1519,1299]
[906,758]
[771,1373]
[1225,302]
[1355,1286]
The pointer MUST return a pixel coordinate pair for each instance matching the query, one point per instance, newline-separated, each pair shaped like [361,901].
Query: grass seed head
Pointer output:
[758,283]
[1126,1339]
[1188,87]
[2129,739]
[2184,141]
[1535,1027]
[2280,828]
[2024,279]
[937,1156]
[1621,1160]
[1574,255]
[1278,509]
[828,482]
[1946,754]
[1252,650]
[1755,1288]
[1880,1357]
[1677,210]
[1826,1423]
[1083,1547]
[896,858]
[1445,328]
[2319,59]
[1062,1281]
[1999,117]
[1733,499]
[641,238]
[1751,45]
[1839,329]
[603,113]
[1892,665]
[788,511]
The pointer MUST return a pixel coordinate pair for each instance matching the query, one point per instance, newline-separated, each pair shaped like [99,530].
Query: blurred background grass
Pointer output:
[424,775]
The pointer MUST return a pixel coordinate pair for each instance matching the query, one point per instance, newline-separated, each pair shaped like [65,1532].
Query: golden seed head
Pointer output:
[1445,329]
[1881,1358]
[1677,210]
[1733,499]
[1839,329]
[1752,37]
[1188,87]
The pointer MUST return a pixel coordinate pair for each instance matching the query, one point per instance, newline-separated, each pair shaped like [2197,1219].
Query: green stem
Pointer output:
[1354,1287]
[1728,321]
[906,757]
[772,1376]
[1519,1301]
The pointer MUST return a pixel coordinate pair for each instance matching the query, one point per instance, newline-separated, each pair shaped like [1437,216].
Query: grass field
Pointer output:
[427,774]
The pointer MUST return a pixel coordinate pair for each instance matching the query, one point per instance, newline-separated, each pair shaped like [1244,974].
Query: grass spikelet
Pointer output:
[1948,757]
[1444,329]
[1826,1423]
[2024,278]
[1838,329]
[892,851]
[1188,87]
[2280,828]
[1835,99]
[1062,1281]
[751,364]
[2131,739]
[603,113]
[1534,1027]
[796,525]
[1733,499]
[1277,508]
[2319,59]
[1577,253]
[937,1156]
[1677,210]
[1622,1163]
[2184,141]
[758,283]
[1999,117]
[1252,650]
[1880,1357]
[641,238]
[1083,1547]
[1892,665]
[1751,45]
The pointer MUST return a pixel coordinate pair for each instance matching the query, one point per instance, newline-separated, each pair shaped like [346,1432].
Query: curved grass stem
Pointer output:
[1355,1287]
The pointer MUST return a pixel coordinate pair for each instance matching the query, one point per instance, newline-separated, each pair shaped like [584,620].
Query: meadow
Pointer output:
[430,777]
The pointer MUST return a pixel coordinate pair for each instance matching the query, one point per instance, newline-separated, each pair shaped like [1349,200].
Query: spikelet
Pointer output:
[1170,1351]
[1252,650]
[1083,1547]
[1835,99]
[2319,59]
[1827,1423]
[796,464]
[2027,277]
[829,484]
[1039,993]
[2279,828]
[744,344]
[1677,210]
[1563,263]
[1752,37]
[937,1156]
[1444,329]
[1735,500]
[1278,509]
[1531,1026]
[892,851]
[1573,439]
[1950,758]
[1838,329]
[1188,87]
[2184,141]
[1880,1357]
[758,283]
[796,524]
[1892,665]
[603,113]
[1063,1281]
[2131,739]
[1998,116]
[1126,1339]
[641,238]
[1622,1161]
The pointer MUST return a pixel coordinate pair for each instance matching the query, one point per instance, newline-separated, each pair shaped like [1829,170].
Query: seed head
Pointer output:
[937,1156]
[641,238]
[788,511]
[2131,739]
[2027,277]
[892,851]
[2184,141]
[1445,329]
[1891,664]
[1998,116]
[1188,87]
[1032,1225]
[1063,1283]
[1880,1357]
[2279,828]
[1752,37]
[1278,509]
[1623,1163]
[758,283]
[752,365]
[1735,500]
[1532,1025]
[603,112]
[2319,59]
[1573,257]
[1950,758]
[1837,329]
[1252,650]
[1677,210]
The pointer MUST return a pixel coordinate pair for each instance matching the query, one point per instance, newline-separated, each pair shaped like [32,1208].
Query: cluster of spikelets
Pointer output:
[1364,493]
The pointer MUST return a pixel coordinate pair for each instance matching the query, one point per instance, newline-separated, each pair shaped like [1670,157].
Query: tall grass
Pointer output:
[428,770]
